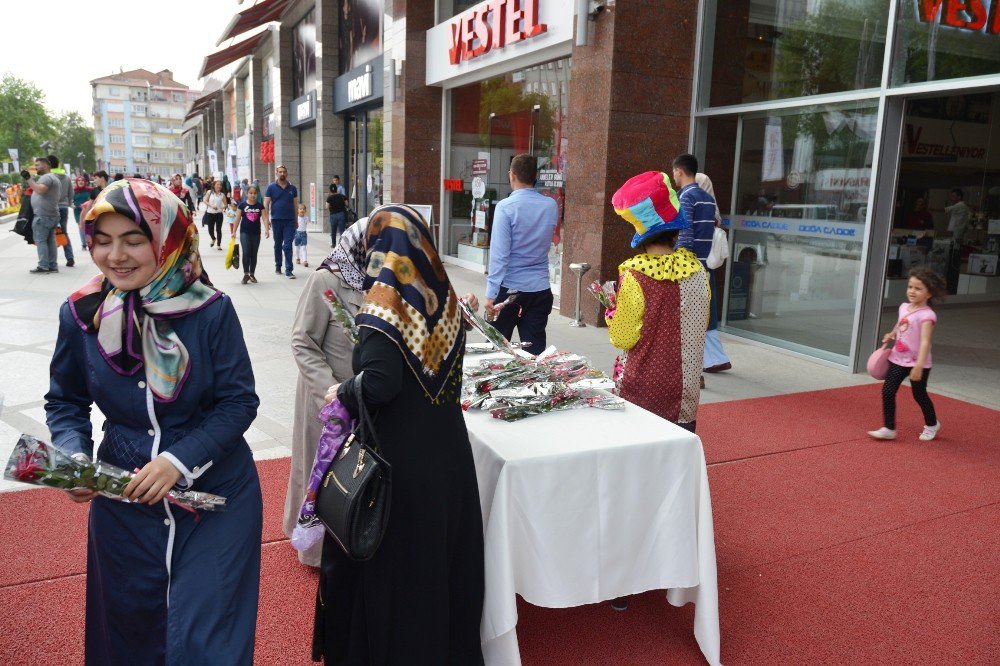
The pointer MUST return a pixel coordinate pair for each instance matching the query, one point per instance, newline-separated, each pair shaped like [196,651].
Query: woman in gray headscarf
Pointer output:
[322,352]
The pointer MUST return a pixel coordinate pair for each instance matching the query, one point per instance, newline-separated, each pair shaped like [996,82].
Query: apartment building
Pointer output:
[139,121]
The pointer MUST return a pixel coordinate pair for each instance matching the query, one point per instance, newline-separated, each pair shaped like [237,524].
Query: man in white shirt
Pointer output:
[958,214]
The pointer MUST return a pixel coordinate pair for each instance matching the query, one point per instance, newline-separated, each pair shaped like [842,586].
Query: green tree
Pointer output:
[74,138]
[24,121]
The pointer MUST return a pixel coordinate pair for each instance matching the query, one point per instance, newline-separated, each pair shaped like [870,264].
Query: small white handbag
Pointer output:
[720,249]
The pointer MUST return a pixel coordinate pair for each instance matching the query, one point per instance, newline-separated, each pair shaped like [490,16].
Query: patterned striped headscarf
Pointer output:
[409,296]
[133,327]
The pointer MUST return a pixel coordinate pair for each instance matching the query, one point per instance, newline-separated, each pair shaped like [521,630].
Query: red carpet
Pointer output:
[832,549]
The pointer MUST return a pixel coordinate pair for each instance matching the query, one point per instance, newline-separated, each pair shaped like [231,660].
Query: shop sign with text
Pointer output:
[495,32]
[971,15]
[493,25]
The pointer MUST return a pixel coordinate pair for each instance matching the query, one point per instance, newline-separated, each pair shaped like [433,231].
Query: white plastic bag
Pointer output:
[720,249]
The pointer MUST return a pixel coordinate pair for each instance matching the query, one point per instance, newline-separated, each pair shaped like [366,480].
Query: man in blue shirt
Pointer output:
[699,206]
[523,225]
[281,200]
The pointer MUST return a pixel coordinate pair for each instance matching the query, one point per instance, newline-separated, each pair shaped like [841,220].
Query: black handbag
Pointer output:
[353,500]
[22,226]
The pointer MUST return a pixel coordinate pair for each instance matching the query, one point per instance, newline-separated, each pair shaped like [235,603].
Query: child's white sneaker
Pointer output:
[930,432]
[882,433]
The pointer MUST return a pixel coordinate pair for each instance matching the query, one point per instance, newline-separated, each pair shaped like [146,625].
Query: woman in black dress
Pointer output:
[419,600]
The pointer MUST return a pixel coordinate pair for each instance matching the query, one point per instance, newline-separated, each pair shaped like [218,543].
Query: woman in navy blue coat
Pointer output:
[161,353]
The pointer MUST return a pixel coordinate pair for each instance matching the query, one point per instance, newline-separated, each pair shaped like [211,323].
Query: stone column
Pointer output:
[630,96]
[260,169]
[286,139]
[412,122]
[329,126]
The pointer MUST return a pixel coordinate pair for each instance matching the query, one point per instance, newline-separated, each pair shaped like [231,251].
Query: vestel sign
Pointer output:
[494,25]
[971,15]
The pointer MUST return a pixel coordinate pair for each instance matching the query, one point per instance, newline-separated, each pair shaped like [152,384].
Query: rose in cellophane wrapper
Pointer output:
[489,331]
[343,317]
[520,388]
[41,464]
[604,293]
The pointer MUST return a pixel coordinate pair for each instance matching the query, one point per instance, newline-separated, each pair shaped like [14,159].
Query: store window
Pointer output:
[762,50]
[303,56]
[450,8]
[798,227]
[360,33]
[949,164]
[366,165]
[523,111]
[946,40]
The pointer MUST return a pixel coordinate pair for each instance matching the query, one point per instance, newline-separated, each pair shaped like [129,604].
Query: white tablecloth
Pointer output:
[587,505]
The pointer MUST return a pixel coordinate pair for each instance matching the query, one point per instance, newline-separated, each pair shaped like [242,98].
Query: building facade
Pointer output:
[834,132]
[138,122]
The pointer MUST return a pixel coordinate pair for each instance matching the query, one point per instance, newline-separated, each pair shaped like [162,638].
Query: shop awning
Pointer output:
[231,53]
[252,17]
[201,104]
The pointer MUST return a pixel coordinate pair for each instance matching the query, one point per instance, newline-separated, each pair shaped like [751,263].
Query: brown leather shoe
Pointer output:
[246,278]
[722,367]
[253,279]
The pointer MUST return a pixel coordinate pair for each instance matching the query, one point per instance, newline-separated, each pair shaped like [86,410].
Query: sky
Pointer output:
[154,35]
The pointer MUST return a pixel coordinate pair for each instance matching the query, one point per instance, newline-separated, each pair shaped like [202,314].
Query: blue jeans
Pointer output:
[284,232]
[44,231]
[249,244]
[63,219]
[338,224]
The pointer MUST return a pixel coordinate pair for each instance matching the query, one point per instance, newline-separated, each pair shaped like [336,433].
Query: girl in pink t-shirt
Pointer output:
[911,353]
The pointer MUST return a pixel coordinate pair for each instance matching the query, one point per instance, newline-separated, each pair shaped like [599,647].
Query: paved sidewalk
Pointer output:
[29,306]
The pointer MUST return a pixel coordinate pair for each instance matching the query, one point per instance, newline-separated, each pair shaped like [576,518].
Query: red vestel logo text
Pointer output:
[493,26]
[969,15]
[914,146]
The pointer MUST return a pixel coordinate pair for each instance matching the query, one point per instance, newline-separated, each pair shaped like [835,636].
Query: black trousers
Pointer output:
[214,223]
[529,313]
[897,373]
[249,245]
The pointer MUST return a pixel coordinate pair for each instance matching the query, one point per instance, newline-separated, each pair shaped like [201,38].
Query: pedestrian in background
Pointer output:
[336,204]
[301,241]
[46,192]
[523,225]
[323,354]
[161,353]
[248,223]
[911,352]
[98,182]
[65,203]
[700,209]
[81,195]
[281,200]
[184,194]
[215,205]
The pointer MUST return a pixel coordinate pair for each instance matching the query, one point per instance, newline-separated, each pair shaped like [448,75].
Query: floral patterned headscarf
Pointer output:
[133,327]
[349,256]
[409,297]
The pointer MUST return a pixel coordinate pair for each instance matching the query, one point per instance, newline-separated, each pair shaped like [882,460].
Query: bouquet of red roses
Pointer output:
[40,464]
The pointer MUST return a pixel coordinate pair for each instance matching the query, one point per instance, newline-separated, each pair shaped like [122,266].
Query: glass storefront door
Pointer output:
[799,226]
[365,162]
[523,111]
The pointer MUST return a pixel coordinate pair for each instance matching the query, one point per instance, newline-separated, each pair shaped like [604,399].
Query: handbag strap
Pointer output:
[368,438]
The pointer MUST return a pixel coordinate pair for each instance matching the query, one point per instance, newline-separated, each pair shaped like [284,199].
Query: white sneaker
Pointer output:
[930,432]
[882,433]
